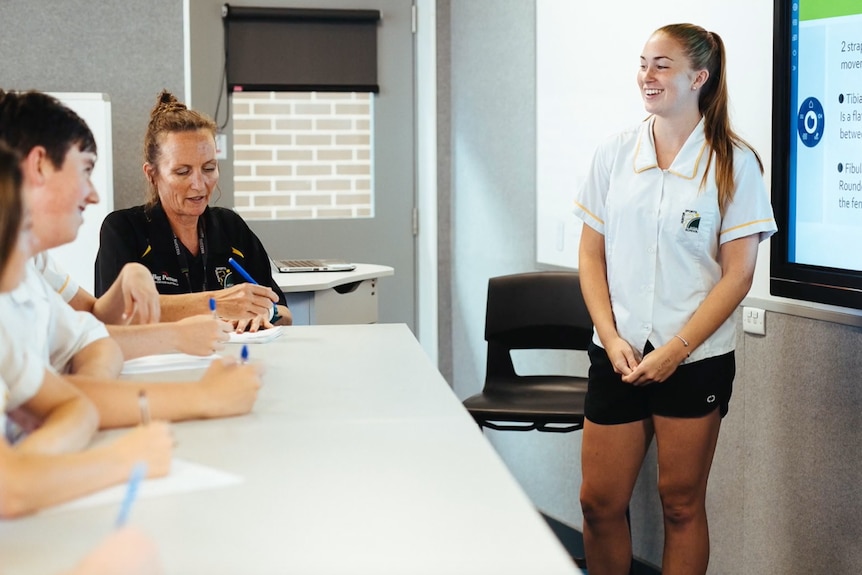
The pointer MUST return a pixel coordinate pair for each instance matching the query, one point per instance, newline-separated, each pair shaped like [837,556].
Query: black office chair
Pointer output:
[537,310]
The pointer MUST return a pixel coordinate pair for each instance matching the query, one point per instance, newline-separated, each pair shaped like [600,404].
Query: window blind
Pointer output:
[300,49]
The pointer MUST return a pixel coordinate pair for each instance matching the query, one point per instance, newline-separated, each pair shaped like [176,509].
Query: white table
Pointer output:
[357,458]
[326,298]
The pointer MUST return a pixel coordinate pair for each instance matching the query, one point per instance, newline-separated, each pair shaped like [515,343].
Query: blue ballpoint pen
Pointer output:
[241,271]
[138,473]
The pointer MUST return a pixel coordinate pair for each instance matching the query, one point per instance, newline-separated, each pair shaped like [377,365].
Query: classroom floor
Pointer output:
[573,542]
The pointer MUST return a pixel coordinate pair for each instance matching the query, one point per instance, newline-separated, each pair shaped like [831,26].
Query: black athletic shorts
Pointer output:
[693,390]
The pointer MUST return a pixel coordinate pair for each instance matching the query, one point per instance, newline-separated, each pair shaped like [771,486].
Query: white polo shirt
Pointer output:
[36,320]
[21,374]
[58,278]
[662,232]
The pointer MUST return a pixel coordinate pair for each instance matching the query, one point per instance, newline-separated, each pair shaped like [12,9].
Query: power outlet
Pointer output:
[754,320]
[221,146]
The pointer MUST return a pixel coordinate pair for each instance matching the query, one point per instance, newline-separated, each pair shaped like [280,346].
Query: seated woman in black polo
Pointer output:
[183,241]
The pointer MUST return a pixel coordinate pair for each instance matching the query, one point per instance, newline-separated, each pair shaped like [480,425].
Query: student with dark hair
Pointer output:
[45,467]
[33,120]
[57,192]
[674,210]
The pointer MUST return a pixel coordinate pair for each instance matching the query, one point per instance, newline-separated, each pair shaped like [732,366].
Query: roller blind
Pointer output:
[300,49]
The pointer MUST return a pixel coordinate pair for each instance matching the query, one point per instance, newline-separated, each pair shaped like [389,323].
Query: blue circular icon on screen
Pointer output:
[810,122]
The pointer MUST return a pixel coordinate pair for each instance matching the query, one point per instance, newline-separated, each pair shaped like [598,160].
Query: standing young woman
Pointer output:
[674,210]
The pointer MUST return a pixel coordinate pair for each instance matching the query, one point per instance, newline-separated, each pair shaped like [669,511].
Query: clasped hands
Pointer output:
[654,367]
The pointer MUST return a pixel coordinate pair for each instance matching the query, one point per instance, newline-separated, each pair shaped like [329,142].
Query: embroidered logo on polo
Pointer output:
[221,275]
[165,280]
[691,221]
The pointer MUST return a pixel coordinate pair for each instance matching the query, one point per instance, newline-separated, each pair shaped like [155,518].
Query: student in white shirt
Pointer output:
[674,210]
[46,467]
[58,153]
[138,333]
[132,298]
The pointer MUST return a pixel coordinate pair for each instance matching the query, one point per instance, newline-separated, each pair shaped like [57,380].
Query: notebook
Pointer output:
[327,265]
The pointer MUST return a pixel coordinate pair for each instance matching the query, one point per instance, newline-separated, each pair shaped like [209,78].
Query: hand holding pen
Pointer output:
[244,301]
[145,451]
[201,334]
[258,322]
[139,471]
[230,386]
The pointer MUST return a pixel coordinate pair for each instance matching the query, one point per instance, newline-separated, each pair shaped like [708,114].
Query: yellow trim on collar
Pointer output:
[648,166]
[635,159]
[237,252]
[148,250]
[696,165]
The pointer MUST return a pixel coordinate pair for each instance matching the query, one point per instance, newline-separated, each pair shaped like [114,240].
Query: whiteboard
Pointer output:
[78,258]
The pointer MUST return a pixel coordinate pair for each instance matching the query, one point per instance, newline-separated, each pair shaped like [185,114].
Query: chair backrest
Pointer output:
[535,310]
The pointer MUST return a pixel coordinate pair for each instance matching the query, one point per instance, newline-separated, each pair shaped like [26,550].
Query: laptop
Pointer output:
[325,265]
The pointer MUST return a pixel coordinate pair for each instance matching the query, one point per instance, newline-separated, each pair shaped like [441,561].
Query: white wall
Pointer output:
[585,90]
[78,258]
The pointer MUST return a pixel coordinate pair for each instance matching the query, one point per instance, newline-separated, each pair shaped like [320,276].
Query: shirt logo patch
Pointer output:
[221,275]
[165,280]
[691,221]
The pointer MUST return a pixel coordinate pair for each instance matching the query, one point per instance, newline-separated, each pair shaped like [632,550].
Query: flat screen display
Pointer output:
[817,151]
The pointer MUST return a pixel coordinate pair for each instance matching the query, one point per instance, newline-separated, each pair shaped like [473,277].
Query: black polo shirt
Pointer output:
[144,235]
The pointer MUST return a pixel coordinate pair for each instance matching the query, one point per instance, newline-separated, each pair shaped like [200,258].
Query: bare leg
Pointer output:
[611,457]
[685,451]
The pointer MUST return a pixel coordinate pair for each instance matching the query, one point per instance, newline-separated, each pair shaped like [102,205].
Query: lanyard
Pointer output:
[183,260]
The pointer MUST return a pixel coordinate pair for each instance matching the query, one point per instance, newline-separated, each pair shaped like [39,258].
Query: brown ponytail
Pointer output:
[706,50]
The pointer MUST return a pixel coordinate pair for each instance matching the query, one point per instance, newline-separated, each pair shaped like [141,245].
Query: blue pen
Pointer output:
[241,271]
[243,354]
[138,473]
[213,308]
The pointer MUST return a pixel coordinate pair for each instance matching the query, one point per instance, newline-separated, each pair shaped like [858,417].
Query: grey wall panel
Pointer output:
[801,459]
[129,50]
[492,174]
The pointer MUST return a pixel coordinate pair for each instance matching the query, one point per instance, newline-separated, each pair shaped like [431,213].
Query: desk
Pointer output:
[326,298]
[357,458]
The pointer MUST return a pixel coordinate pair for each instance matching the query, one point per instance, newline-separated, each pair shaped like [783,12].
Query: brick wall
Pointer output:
[302,155]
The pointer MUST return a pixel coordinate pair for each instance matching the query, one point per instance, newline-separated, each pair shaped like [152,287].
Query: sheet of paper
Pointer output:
[167,362]
[261,336]
[185,476]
